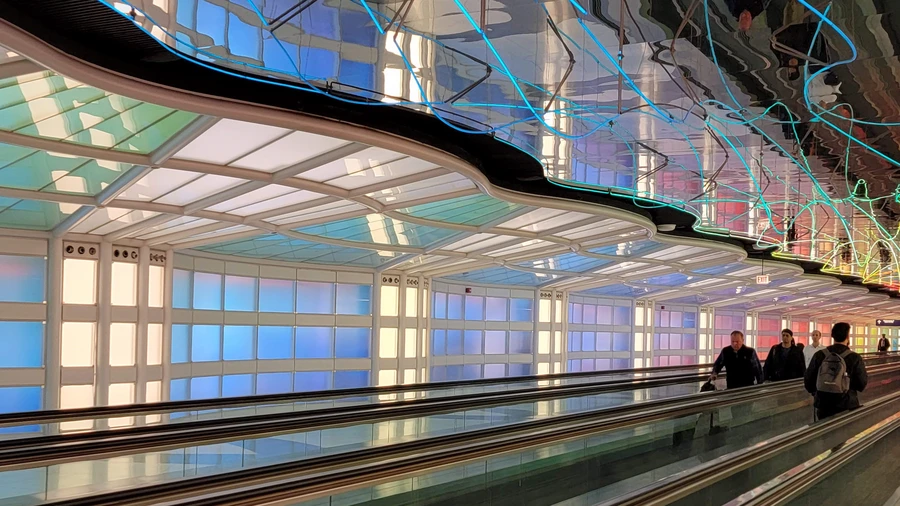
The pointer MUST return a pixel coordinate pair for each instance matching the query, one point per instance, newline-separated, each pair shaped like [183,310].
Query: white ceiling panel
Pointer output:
[124,221]
[386,172]
[252,197]
[289,150]
[431,188]
[205,186]
[157,183]
[286,200]
[358,162]
[319,212]
[476,242]
[229,140]
[101,217]
[527,219]
[176,225]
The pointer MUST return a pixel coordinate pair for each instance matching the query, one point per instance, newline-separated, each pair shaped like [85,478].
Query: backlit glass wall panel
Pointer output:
[23,316]
[258,329]
[675,335]
[725,323]
[768,333]
[486,333]
[599,334]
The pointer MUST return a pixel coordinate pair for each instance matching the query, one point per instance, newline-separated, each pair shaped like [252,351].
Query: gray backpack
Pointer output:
[832,377]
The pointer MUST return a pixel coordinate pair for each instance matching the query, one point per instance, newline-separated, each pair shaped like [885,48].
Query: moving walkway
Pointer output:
[554,456]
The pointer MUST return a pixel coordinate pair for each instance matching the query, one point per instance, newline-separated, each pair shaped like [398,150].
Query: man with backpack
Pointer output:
[836,375]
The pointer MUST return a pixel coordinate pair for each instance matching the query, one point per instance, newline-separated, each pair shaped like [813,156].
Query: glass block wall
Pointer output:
[245,329]
[675,335]
[599,334]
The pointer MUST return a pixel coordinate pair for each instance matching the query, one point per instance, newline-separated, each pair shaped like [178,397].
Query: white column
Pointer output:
[52,357]
[143,318]
[104,305]
[169,288]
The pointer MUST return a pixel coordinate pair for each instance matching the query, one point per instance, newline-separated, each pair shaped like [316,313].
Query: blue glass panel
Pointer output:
[207,290]
[438,342]
[454,342]
[320,20]
[205,340]
[604,315]
[273,383]
[240,293]
[620,363]
[471,371]
[238,342]
[496,309]
[19,399]
[439,373]
[314,342]
[354,299]
[690,320]
[315,298]
[604,341]
[180,344]
[181,289]
[351,379]
[519,369]
[520,310]
[352,342]
[276,295]
[574,366]
[23,278]
[622,315]
[587,341]
[454,306]
[575,341]
[454,372]
[23,344]
[620,341]
[211,21]
[494,370]
[275,343]
[281,56]
[237,385]
[178,389]
[520,341]
[243,39]
[311,381]
[474,308]
[494,342]
[205,387]
[439,307]
[472,345]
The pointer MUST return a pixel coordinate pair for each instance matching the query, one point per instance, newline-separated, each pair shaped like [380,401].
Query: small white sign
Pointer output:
[762,280]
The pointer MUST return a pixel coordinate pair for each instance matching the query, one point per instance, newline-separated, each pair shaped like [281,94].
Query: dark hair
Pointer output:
[840,332]
[738,332]
[789,332]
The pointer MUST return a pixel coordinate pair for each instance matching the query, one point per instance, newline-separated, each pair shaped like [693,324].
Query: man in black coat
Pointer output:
[785,360]
[741,363]
[830,404]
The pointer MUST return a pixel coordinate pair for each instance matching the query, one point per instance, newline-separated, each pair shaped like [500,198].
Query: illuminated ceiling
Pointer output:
[78,160]
[753,116]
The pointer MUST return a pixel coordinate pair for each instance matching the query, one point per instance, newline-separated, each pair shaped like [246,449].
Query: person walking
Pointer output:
[785,360]
[740,361]
[836,375]
[884,344]
[813,347]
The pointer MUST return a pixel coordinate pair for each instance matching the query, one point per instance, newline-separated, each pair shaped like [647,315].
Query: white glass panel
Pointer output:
[124,284]
[157,285]
[387,378]
[390,300]
[77,344]
[387,343]
[121,344]
[154,394]
[79,281]
[544,342]
[229,140]
[157,183]
[289,150]
[76,396]
[154,344]
[207,185]
[120,394]
[412,295]
[544,311]
[409,344]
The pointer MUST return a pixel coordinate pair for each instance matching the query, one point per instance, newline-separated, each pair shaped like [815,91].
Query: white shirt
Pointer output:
[809,350]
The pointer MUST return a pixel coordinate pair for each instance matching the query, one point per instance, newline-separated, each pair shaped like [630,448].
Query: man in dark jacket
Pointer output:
[884,345]
[830,404]
[741,363]
[785,360]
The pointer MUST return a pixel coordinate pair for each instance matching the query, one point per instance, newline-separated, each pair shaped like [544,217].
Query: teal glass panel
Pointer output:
[207,291]
[181,289]
[180,344]
[473,210]
[23,344]
[32,214]
[240,293]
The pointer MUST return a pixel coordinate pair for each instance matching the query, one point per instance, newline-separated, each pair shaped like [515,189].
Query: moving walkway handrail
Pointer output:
[687,482]
[798,480]
[59,448]
[65,415]
[320,475]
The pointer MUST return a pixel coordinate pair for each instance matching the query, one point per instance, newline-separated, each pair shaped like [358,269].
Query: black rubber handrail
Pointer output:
[60,448]
[65,415]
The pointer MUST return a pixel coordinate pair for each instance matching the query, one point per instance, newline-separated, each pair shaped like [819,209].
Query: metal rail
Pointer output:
[317,476]
[57,449]
[66,415]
